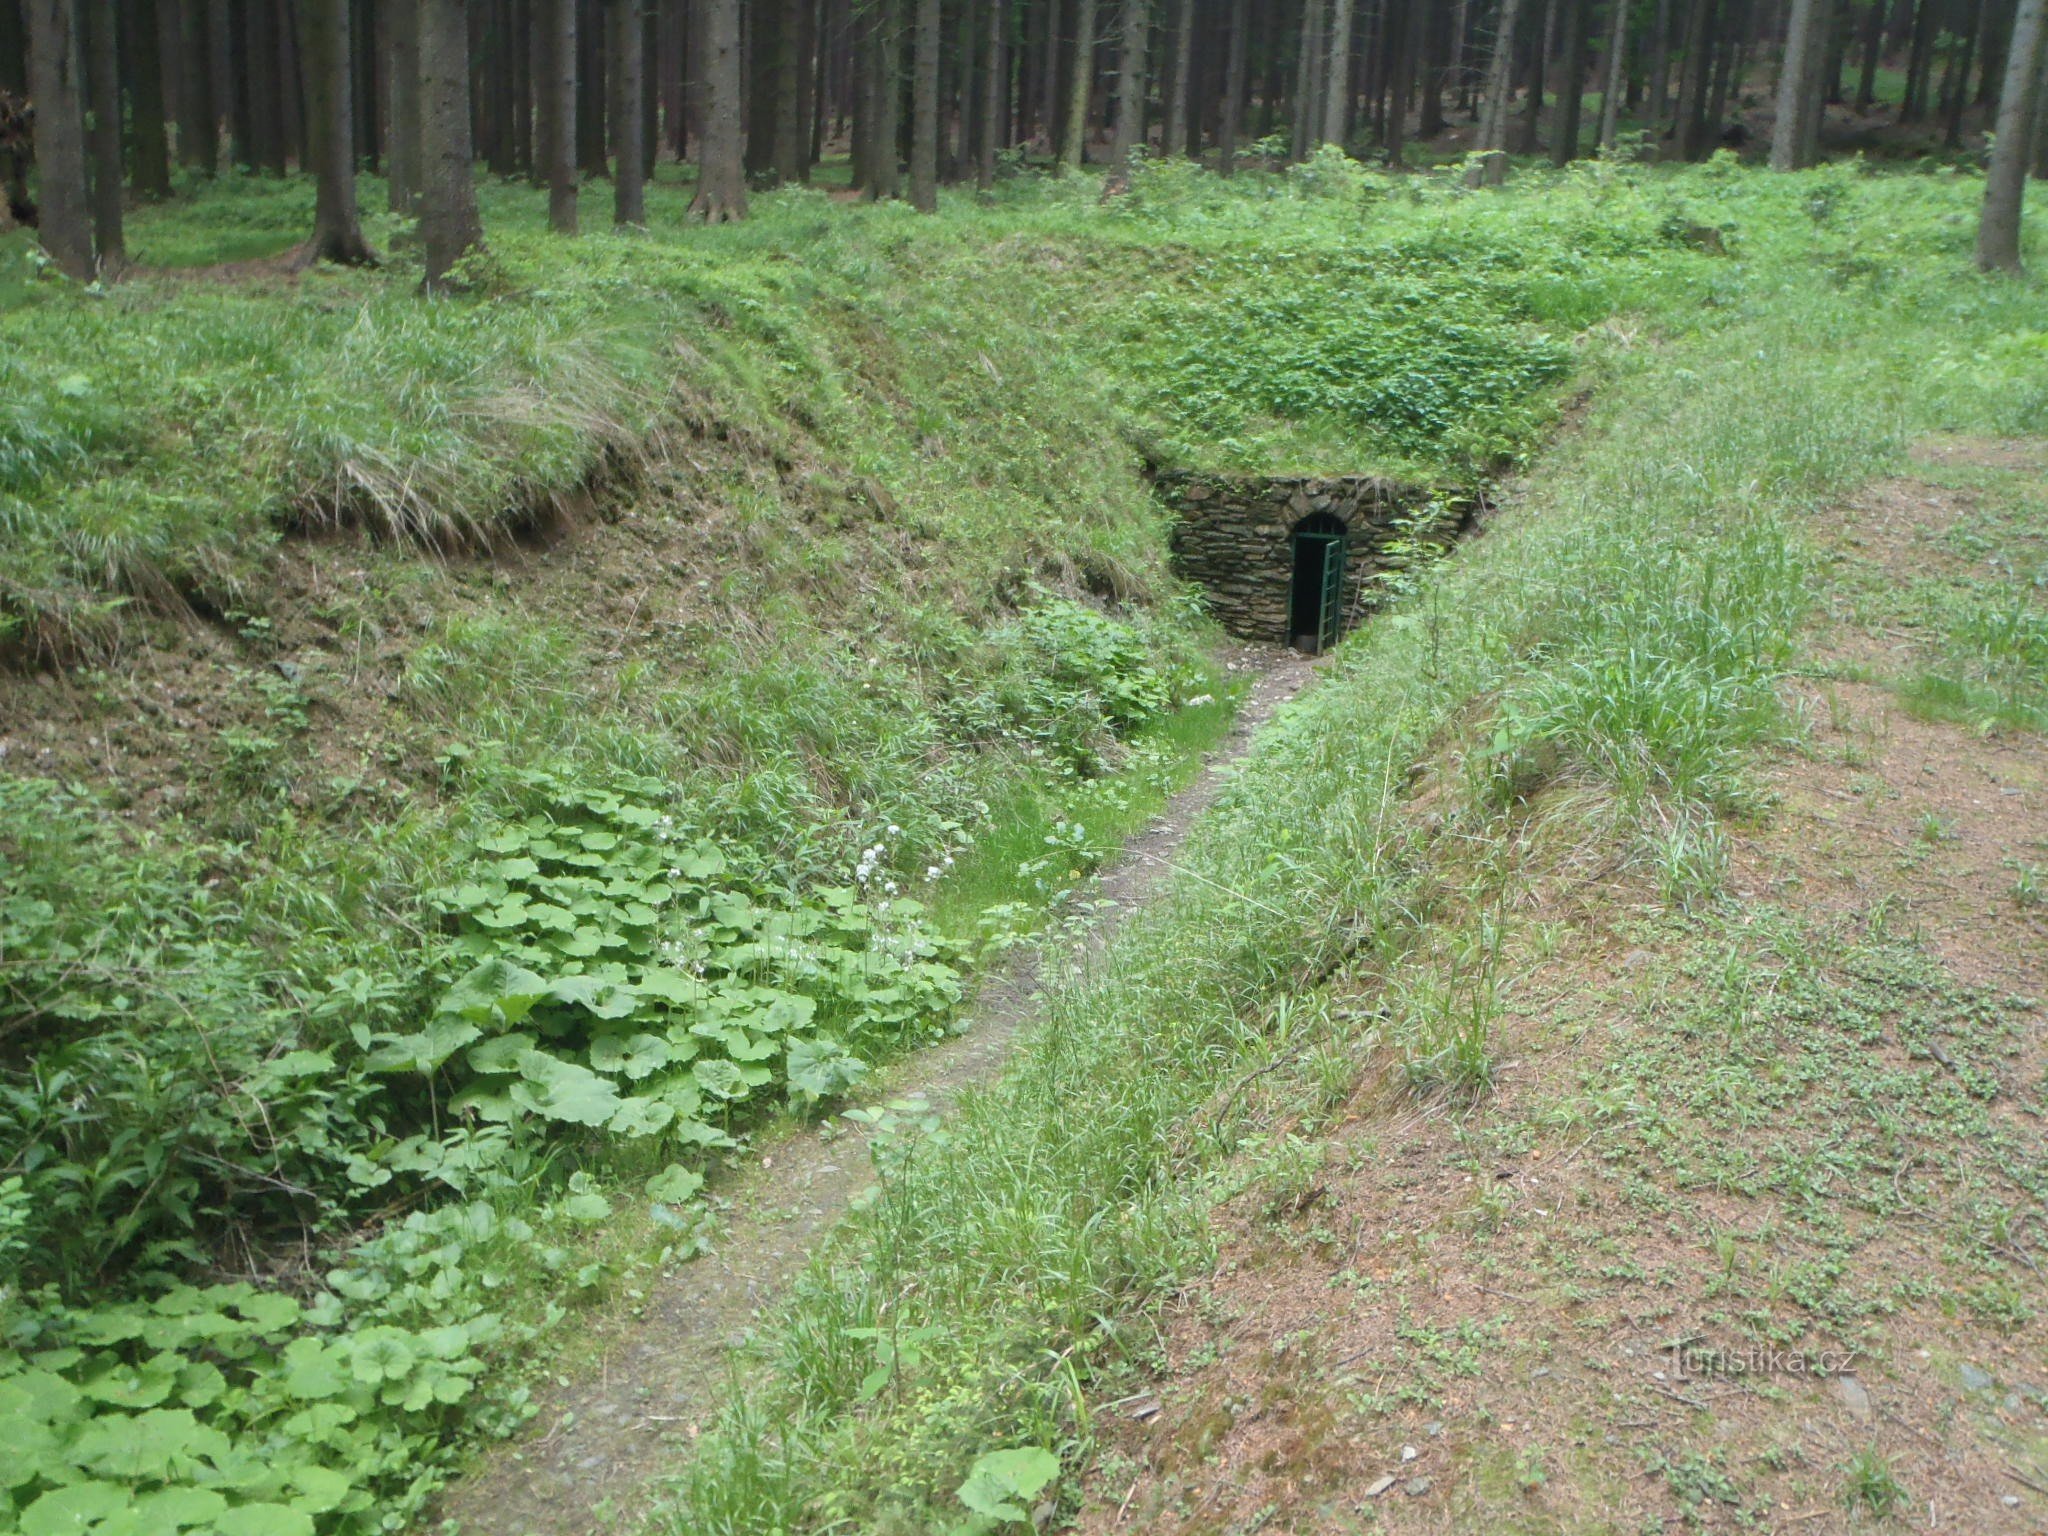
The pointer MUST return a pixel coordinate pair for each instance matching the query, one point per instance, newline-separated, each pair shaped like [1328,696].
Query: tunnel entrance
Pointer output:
[1315,608]
[1289,559]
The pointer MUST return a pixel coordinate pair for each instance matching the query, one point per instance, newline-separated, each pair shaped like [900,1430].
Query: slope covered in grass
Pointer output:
[396,930]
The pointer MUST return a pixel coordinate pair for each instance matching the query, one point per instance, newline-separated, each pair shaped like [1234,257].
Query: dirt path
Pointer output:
[592,1452]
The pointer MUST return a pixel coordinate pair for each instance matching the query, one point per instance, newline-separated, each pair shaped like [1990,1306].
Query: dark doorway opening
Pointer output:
[1315,607]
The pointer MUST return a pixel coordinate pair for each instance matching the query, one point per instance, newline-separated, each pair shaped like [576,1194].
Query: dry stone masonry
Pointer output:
[1235,537]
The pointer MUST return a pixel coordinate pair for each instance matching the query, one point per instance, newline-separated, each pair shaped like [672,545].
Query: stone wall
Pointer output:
[1233,536]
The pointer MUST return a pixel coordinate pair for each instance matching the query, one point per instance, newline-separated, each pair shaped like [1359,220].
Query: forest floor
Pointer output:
[649,1373]
[1712,1252]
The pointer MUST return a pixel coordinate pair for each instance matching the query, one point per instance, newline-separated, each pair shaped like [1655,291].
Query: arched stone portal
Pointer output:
[1240,538]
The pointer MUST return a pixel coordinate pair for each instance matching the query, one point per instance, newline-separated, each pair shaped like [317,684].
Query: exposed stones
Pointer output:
[1234,536]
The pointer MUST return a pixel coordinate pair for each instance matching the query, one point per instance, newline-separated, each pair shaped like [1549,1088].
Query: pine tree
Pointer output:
[721,174]
[450,228]
[2005,184]
[64,216]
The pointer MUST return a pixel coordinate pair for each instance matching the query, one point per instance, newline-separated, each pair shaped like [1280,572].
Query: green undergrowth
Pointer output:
[1612,650]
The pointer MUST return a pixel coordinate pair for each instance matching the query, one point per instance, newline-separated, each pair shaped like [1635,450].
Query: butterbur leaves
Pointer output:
[675,1184]
[998,1482]
[495,992]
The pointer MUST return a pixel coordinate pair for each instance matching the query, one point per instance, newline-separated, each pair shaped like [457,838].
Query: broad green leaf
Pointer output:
[427,1048]
[63,1511]
[562,1090]
[264,1520]
[675,1184]
[721,1079]
[643,1117]
[133,1386]
[381,1354]
[495,991]
[313,1369]
[587,1208]
[500,1054]
[997,1480]
[178,1509]
[635,1055]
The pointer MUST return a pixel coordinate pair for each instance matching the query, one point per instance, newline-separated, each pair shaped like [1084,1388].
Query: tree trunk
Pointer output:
[1659,67]
[1690,129]
[1873,47]
[64,218]
[558,112]
[1130,84]
[330,126]
[1308,60]
[198,115]
[794,84]
[1337,92]
[260,46]
[519,46]
[1074,143]
[1490,168]
[994,90]
[1406,59]
[402,159]
[1958,94]
[721,178]
[1050,101]
[449,226]
[145,72]
[103,78]
[1437,24]
[1564,136]
[2005,184]
[1615,74]
[1789,148]
[924,111]
[623,71]
[1233,91]
[1179,87]
[1918,62]
[1530,136]
[592,90]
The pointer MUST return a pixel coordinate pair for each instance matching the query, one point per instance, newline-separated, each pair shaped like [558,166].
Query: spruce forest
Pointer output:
[991,766]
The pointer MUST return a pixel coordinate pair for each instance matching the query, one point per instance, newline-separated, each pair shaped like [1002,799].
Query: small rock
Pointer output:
[1975,1379]
[1540,1372]
[2009,1500]
[1853,1397]
[1409,1453]
[1378,1486]
[1146,1410]
[1416,1487]
[1433,1428]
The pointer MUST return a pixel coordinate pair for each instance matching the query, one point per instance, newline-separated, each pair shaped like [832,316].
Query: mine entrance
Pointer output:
[1315,609]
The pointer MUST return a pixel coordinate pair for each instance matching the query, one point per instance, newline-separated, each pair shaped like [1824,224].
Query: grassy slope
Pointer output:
[842,482]
[1613,652]
[799,622]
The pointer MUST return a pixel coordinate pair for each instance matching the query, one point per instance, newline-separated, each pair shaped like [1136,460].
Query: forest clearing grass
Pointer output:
[909,592]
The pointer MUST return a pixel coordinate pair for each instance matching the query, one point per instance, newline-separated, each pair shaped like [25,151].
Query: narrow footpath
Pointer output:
[592,1455]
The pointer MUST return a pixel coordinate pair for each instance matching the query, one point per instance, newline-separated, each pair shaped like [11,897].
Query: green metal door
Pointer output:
[1330,616]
